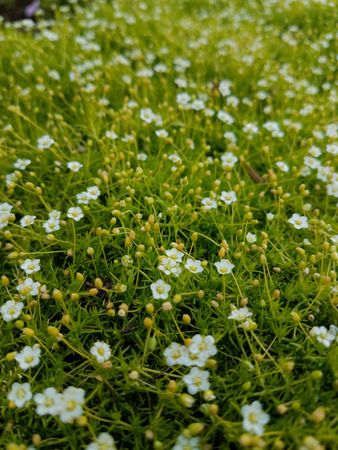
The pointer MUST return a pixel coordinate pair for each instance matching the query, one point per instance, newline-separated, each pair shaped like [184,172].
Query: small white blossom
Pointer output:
[160,290]
[299,222]
[254,418]
[228,197]
[72,401]
[101,351]
[187,443]
[22,164]
[11,310]
[28,357]
[251,237]
[28,287]
[197,380]
[20,394]
[193,265]
[323,335]
[104,441]
[45,142]
[48,402]
[74,166]
[75,213]
[26,221]
[224,266]
[31,266]
[209,203]
[240,314]
[51,225]
[228,160]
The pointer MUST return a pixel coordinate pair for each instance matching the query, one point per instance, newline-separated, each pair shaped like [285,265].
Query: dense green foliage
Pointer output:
[203,126]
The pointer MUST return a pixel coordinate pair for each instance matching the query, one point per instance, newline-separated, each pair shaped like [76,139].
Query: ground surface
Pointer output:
[168,228]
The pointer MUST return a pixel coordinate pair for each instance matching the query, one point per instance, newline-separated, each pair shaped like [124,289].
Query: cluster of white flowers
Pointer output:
[195,355]
[227,197]
[67,405]
[92,193]
[53,222]
[171,263]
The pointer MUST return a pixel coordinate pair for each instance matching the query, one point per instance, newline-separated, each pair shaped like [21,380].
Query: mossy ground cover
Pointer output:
[168,227]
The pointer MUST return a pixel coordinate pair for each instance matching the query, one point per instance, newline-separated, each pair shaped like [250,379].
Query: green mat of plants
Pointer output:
[168,226]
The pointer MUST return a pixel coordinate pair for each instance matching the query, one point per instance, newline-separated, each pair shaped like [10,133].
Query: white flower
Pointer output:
[240,314]
[111,135]
[72,401]
[323,335]
[25,221]
[142,156]
[224,266]
[5,213]
[74,166]
[334,239]
[54,214]
[282,166]
[75,213]
[31,266]
[83,198]
[230,136]
[22,164]
[45,142]
[225,117]
[175,354]
[269,217]
[299,222]
[163,134]
[20,394]
[48,402]
[175,254]
[332,148]
[254,418]
[104,441]
[160,290]
[93,192]
[5,208]
[51,225]
[147,115]
[196,380]
[251,238]
[28,287]
[209,203]
[228,197]
[11,310]
[28,357]
[228,160]
[101,351]
[175,158]
[224,87]
[332,189]
[187,443]
[194,265]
